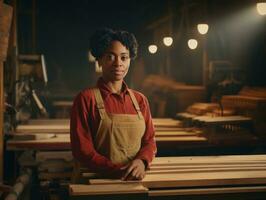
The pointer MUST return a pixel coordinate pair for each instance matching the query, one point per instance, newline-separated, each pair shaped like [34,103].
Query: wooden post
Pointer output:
[1,120]
[5,22]
[1,102]
[205,67]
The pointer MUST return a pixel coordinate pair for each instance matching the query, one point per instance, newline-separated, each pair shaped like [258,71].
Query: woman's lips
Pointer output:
[118,72]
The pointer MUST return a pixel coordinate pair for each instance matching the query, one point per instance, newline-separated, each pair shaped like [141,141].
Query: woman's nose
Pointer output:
[117,61]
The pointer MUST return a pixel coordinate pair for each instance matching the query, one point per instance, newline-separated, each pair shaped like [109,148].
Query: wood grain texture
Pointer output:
[202,171]
[39,128]
[5,24]
[200,191]
[107,189]
[60,142]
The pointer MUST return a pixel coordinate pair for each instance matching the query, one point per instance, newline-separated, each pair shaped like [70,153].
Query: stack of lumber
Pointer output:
[54,134]
[226,130]
[177,176]
[248,98]
[209,109]
[59,142]
[41,129]
[251,101]
[170,131]
[62,109]
[54,164]
[202,108]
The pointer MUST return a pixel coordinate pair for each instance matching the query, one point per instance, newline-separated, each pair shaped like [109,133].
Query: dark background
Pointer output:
[236,33]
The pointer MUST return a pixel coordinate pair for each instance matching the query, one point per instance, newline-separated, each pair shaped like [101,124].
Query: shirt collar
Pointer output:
[106,91]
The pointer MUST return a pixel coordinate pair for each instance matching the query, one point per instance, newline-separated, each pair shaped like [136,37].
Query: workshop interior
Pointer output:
[201,64]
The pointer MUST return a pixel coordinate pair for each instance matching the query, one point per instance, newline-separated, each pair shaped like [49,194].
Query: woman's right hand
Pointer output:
[135,170]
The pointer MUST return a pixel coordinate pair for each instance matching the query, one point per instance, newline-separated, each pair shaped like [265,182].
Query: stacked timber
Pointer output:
[62,109]
[170,132]
[54,165]
[202,176]
[226,130]
[209,109]
[54,134]
[250,102]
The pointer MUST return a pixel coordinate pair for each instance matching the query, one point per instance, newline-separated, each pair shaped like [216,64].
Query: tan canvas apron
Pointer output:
[119,135]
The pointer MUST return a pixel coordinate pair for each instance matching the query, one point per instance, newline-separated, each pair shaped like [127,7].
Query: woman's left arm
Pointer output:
[148,145]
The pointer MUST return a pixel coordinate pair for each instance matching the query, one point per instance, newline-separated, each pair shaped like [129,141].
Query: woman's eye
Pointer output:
[111,57]
[124,58]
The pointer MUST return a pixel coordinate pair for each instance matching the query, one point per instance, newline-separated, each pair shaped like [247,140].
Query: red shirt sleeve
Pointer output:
[148,145]
[81,138]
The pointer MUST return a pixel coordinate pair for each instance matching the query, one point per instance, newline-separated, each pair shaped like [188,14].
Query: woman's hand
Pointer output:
[135,170]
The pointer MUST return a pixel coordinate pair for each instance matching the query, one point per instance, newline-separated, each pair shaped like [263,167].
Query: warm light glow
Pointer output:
[203,28]
[152,49]
[192,43]
[261,8]
[168,41]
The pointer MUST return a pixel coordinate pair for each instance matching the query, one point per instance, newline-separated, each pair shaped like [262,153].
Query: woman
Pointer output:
[111,126]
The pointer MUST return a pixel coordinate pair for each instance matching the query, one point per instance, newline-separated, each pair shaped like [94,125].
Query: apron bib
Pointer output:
[119,135]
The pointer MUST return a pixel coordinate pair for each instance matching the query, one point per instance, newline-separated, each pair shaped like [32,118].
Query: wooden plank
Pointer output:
[202,166]
[48,121]
[176,170]
[5,24]
[195,179]
[1,121]
[63,104]
[222,120]
[201,191]
[202,171]
[210,159]
[208,169]
[165,122]
[181,139]
[175,133]
[77,190]
[61,141]
[24,137]
[52,155]
[55,175]
[52,128]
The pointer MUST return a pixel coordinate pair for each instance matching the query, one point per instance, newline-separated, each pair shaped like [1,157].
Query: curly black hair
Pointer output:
[102,39]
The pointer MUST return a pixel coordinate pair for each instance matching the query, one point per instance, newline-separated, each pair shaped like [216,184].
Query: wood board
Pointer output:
[202,171]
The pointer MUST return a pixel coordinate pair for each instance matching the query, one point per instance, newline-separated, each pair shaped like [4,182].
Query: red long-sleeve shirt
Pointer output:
[85,121]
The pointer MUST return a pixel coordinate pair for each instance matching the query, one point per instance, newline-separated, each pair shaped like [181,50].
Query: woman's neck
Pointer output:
[115,86]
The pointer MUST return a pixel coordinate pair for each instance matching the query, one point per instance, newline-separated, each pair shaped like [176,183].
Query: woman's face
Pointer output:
[115,62]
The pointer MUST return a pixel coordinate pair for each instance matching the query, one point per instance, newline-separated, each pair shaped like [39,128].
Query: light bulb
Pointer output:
[168,41]
[192,43]
[261,8]
[152,49]
[203,28]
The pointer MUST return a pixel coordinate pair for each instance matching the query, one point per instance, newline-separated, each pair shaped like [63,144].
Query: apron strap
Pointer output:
[99,102]
[136,105]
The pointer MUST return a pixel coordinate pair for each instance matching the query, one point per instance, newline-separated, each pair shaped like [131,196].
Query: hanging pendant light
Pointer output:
[192,43]
[203,28]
